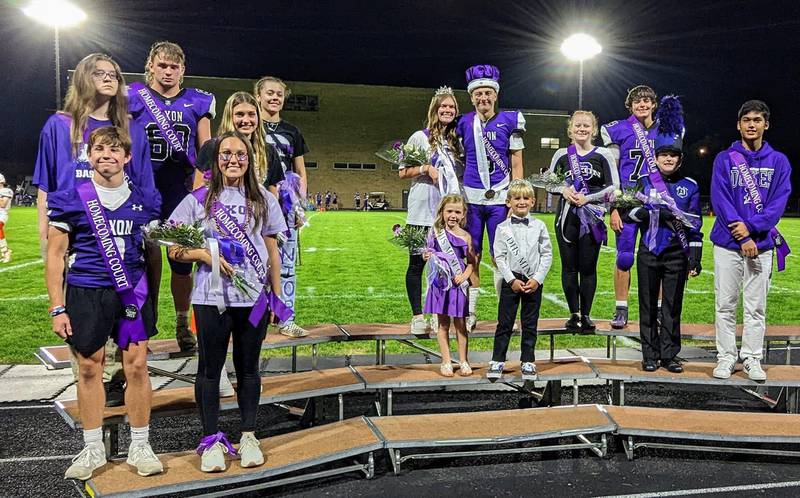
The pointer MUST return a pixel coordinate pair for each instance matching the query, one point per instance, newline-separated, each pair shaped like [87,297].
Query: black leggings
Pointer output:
[416,265]
[578,258]
[214,333]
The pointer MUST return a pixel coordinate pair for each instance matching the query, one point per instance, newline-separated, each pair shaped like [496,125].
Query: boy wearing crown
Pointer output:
[493,144]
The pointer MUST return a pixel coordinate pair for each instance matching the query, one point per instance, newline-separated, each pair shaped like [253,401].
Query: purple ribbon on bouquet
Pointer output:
[269,299]
[440,275]
[652,230]
[231,250]
[209,441]
[591,217]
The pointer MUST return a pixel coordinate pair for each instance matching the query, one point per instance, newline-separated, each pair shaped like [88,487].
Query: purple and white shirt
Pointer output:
[631,160]
[58,169]
[232,198]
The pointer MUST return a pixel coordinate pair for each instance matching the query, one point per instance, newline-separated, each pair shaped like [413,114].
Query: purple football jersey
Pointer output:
[87,268]
[58,169]
[498,131]
[631,160]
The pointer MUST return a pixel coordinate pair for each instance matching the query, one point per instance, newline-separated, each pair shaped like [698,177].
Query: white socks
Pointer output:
[622,304]
[93,436]
[140,435]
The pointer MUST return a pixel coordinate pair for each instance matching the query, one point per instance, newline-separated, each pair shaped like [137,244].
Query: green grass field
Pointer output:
[351,273]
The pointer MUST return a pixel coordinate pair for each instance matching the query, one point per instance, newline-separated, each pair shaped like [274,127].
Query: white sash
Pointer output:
[448,180]
[480,152]
[516,253]
[452,262]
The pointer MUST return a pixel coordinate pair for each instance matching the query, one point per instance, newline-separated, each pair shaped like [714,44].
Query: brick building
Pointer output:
[346,124]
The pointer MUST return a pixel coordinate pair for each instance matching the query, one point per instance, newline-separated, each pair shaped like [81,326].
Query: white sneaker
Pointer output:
[91,458]
[225,386]
[250,451]
[433,324]
[724,368]
[213,459]
[752,367]
[419,325]
[472,319]
[292,330]
[142,457]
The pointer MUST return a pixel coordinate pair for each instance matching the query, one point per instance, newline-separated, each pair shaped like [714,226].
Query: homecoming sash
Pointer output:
[591,217]
[654,174]
[131,327]
[516,253]
[484,151]
[448,254]
[235,231]
[781,247]
[156,112]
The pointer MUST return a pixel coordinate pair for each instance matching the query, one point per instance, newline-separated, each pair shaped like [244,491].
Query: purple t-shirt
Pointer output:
[190,210]
[631,159]
[86,267]
[58,169]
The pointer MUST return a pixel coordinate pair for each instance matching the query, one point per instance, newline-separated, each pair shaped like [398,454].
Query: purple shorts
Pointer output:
[480,217]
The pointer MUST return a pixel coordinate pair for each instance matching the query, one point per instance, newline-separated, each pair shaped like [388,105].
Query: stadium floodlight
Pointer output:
[59,14]
[580,47]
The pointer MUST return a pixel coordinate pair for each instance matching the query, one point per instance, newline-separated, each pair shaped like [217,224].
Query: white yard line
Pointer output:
[40,297]
[21,265]
[724,489]
[555,300]
[34,459]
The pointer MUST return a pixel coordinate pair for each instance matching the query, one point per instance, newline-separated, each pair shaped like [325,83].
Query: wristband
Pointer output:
[57,310]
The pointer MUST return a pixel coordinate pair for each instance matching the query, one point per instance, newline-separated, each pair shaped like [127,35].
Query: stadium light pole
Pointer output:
[58,14]
[580,47]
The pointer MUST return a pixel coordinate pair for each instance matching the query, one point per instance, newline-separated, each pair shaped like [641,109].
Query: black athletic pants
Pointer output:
[507,313]
[213,334]
[578,265]
[416,265]
[668,272]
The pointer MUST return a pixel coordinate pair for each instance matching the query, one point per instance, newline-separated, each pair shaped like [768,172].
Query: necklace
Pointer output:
[272,126]
[246,214]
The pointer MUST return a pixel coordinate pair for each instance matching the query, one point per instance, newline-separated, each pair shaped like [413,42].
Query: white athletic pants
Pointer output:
[735,274]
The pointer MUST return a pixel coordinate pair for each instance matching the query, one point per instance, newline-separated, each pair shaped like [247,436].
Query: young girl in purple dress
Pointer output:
[449,245]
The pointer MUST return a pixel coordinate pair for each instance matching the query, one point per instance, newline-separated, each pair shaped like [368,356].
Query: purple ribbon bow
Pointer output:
[209,441]
[269,299]
[232,250]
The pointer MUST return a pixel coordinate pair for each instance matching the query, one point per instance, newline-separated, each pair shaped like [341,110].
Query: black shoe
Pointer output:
[673,366]
[620,320]
[587,325]
[115,392]
[649,365]
[573,324]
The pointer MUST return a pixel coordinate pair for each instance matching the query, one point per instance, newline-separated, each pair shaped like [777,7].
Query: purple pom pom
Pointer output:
[670,116]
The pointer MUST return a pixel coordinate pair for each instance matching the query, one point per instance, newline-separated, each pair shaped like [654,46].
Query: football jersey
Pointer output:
[287,140]
[58,169]
[631,159]
[5,192]
[173,176]
[86,265]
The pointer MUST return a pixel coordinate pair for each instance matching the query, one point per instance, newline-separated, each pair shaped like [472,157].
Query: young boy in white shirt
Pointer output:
[523,254]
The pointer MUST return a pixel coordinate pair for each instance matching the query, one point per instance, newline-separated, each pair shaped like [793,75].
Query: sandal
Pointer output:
[446,369]
[464,369]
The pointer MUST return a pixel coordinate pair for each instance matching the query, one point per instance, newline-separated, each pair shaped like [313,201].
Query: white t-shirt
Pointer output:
[5,192]
[424,193]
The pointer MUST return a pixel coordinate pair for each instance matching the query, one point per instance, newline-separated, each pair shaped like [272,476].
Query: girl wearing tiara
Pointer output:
[429,183]
[448,278]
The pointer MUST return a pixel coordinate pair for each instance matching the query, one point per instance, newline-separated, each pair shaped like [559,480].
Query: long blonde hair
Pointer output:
[439,131]
[449,199]
[257,141]
[80,99]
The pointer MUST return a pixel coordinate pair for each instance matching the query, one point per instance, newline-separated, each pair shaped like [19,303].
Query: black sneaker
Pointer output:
[620,320]
[649,365]
[115,392]
[587,325]
[673,366]
[573,324]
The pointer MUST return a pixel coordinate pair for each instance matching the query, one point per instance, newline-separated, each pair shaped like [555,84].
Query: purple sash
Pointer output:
[131,327]
[154,109]
[781,247]
[589,222]
[234,230]
[654,174]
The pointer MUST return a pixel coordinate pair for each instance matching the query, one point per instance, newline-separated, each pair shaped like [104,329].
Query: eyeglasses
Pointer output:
[226,156]
[101,75]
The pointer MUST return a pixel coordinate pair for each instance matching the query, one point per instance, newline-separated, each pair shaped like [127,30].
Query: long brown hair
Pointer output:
[260,147]
[80,100]
[252,189]
[450,199]
[440,131]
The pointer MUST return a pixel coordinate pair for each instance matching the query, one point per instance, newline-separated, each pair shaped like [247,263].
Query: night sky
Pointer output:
[715,54]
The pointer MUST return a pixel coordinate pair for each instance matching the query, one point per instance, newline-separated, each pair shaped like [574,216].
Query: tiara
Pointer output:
[443,90]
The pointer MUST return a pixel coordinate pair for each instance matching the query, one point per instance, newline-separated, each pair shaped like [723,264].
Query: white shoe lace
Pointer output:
[89,455]
[142,453]
[248,441]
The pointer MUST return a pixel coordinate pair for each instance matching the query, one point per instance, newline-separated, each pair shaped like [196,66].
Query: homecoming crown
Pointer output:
[483,75]
[444,90]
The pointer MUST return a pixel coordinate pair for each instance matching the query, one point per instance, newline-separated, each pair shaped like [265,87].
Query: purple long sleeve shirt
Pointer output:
[731,202]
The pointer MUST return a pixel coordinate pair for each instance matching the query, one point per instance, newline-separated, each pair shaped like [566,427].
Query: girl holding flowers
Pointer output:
[241,221]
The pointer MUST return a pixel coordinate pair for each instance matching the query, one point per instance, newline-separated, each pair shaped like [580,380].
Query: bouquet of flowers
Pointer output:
[403,154]
[414,238]
[548,180]
[689,220]
[170,233]
[625,198]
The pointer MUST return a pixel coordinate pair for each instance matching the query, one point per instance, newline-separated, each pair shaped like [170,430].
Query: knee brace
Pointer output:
[624,260]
